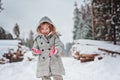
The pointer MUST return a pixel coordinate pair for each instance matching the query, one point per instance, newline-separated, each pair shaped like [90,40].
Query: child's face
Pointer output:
[45,30]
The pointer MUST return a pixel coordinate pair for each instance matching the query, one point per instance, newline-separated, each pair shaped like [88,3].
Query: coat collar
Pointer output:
[46,37]
[51,34]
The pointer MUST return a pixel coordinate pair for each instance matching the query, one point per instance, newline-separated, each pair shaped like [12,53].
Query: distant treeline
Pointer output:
[4,34]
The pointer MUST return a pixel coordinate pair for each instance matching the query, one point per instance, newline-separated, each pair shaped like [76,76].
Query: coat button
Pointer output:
[40,37]
[42,49]
[41,42]
[48,42]
[48,48]
[43,57]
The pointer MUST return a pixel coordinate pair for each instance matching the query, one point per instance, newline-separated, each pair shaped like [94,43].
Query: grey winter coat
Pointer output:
[53,65]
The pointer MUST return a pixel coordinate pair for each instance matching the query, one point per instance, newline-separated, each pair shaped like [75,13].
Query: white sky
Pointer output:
[27,14]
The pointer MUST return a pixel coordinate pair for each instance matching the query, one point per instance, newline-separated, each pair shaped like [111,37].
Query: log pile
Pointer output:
[12,56]
[85,57]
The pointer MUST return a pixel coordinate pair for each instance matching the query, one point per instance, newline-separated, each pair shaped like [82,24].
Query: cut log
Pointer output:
[77,55]
[86,59]
[88,55]
[109,51]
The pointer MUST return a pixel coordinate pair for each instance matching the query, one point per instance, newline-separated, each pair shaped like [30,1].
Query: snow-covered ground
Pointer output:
[106,69]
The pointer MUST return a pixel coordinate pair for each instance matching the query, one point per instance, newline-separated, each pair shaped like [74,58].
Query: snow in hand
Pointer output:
[105,69]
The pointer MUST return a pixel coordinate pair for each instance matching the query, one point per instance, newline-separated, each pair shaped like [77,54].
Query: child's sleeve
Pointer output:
[35,46]
[59,45]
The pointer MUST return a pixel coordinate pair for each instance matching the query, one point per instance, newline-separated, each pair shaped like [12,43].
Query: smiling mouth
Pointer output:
[45,33]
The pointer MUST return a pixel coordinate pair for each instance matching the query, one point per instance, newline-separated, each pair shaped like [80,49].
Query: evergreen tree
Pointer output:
[30,40]
[2,33]
[116,23]
[1,8]
[82,22]
[76,21]
[106,19]
[9,36]
[16,30]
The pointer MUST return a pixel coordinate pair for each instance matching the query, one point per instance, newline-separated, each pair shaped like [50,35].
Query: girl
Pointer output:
[48,47]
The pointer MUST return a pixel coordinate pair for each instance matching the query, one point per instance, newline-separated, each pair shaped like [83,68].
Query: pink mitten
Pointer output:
[36,51]
[53,50]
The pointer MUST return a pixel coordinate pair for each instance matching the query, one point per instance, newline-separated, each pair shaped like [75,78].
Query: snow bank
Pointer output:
[91,46]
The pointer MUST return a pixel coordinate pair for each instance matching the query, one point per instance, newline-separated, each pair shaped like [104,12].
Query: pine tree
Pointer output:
[116,23]
[9,36]
[76,21]
[16,30]
[29,41]
[82,22]
[106,19]
[2,33]
[1,8]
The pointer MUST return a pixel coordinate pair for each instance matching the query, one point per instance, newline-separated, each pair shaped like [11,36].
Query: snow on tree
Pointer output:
[106,20]
[116,22]
[82,22]
[76,21]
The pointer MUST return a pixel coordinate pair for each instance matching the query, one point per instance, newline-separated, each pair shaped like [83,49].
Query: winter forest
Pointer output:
[94,19]
[97,20]
[93,53]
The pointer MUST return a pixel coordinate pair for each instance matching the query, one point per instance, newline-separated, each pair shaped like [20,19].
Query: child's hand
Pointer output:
[53,50]
[36,51]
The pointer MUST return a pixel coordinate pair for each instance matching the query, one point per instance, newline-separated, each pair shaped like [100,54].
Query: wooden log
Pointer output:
[88,55]
[77,55]
[86,59]
[109,51]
